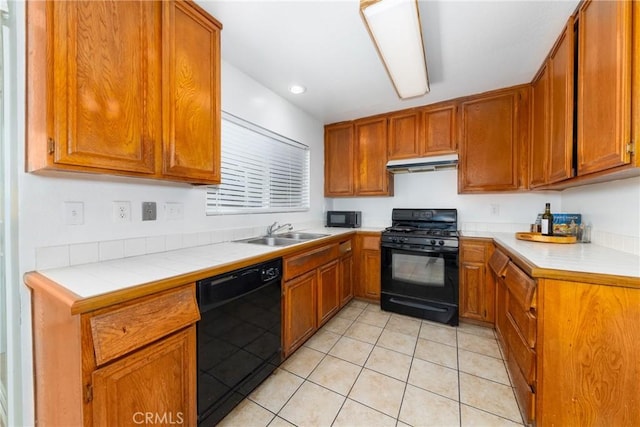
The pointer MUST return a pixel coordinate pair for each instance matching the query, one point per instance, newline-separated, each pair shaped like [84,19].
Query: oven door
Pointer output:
[420,282]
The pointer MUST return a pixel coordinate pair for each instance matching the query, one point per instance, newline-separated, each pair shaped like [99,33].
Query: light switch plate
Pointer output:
[149,211]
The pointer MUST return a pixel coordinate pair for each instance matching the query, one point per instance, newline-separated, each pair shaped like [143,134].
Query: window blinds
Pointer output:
[261,171]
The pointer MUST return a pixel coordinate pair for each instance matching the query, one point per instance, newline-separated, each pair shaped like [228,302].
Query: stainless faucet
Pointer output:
[275,227]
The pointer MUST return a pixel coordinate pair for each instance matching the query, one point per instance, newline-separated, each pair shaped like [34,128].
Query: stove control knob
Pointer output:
[405,239]
[441,242]
[433,242]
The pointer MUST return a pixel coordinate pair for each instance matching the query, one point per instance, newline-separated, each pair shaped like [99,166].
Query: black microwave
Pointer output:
[349,219]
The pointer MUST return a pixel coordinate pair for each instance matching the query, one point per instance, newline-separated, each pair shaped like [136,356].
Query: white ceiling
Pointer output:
[471,47]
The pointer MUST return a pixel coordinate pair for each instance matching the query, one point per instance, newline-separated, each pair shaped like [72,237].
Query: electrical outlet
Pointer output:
[148,211]
[495,209]
[173,211]
[74,213]
[121,211]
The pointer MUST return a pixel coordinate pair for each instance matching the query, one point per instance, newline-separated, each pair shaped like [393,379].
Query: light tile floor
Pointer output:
[367,367]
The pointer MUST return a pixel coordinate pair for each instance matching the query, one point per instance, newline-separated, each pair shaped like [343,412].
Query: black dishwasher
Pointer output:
[239,342]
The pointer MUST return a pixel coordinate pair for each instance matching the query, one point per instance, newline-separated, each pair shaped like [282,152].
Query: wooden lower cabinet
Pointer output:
[313,292]
[300,320]
[368,266]
[121,390]
[107,366]
[477,286]
[328,291]
[587,358]
[346,271]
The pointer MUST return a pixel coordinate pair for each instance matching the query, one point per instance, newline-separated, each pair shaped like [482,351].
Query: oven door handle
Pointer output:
[419,249]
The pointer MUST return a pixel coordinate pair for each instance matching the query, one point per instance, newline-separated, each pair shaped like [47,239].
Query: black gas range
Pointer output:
[420,264]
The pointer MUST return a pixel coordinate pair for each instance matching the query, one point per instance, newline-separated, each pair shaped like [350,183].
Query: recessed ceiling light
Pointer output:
[297,89]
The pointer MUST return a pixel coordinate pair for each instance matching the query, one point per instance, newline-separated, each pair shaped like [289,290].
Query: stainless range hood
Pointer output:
[423,164]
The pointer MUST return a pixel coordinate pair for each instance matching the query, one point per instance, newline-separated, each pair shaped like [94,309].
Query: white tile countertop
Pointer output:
[93,279]
[578,257]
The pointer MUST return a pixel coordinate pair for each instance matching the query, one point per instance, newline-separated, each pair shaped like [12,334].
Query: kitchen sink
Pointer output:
[284,239]
[300,236]
[270,241]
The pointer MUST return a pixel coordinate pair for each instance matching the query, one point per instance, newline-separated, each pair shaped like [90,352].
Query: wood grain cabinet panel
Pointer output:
[300,307]
[127,390]
[104,109]
[604,85]
[346,270]
[561,107]
[439,129]
[477,286]
[404,135]
[191,65]
[372,178]
[369,274]
[494,137]
[339,160]
[148,105]
[328,291]
[539,152]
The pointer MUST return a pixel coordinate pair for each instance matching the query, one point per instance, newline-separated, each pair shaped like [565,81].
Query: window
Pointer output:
[261,171]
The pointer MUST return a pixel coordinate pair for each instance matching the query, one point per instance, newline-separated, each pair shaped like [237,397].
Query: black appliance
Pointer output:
[239,336]
[420,264]
[348,219]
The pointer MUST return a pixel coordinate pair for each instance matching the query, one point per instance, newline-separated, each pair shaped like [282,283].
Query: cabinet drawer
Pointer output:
[521,352]
[524,393]
[306,261]
[370,243]
[498,263]
[345,247]
[520,286]
[118,331]
[524,321]
[472,252]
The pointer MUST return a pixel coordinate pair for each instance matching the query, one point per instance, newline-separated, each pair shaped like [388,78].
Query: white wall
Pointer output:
[612,208]
[439,190]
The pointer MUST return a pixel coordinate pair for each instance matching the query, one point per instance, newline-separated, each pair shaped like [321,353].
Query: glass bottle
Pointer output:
[547,221]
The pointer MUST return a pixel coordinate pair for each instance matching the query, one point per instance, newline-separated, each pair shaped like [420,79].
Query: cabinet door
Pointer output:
[538,154]
[372,178]
[191,81]
[404,135]
[439,130]
[299,311]
[492,136]
[477,287]
[371,273]
[158,380]
[472,290]
[328,291]
[105,76]
[339,160]
[346,279]
[604,85]
[561,69]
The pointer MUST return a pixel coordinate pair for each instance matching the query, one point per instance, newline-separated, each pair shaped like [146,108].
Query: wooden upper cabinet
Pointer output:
[339,162]
[494,139]
[191,54]
[147,105]
[561,71]
[538,154]
[604,85]
[439,129]
[404,135]
[372,178]
[423,132]
[104,108]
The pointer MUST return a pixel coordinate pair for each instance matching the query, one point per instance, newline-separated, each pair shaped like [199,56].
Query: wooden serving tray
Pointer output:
[538,237]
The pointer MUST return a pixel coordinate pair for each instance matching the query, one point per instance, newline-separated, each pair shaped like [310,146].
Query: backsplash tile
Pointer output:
[133,247]
[52,257]
[84,253]
[111,249]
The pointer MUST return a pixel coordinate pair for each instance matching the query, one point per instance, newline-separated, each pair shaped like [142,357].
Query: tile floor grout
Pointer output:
[239,415]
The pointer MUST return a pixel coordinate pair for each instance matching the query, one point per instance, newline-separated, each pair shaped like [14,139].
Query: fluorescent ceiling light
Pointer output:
[394,26]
